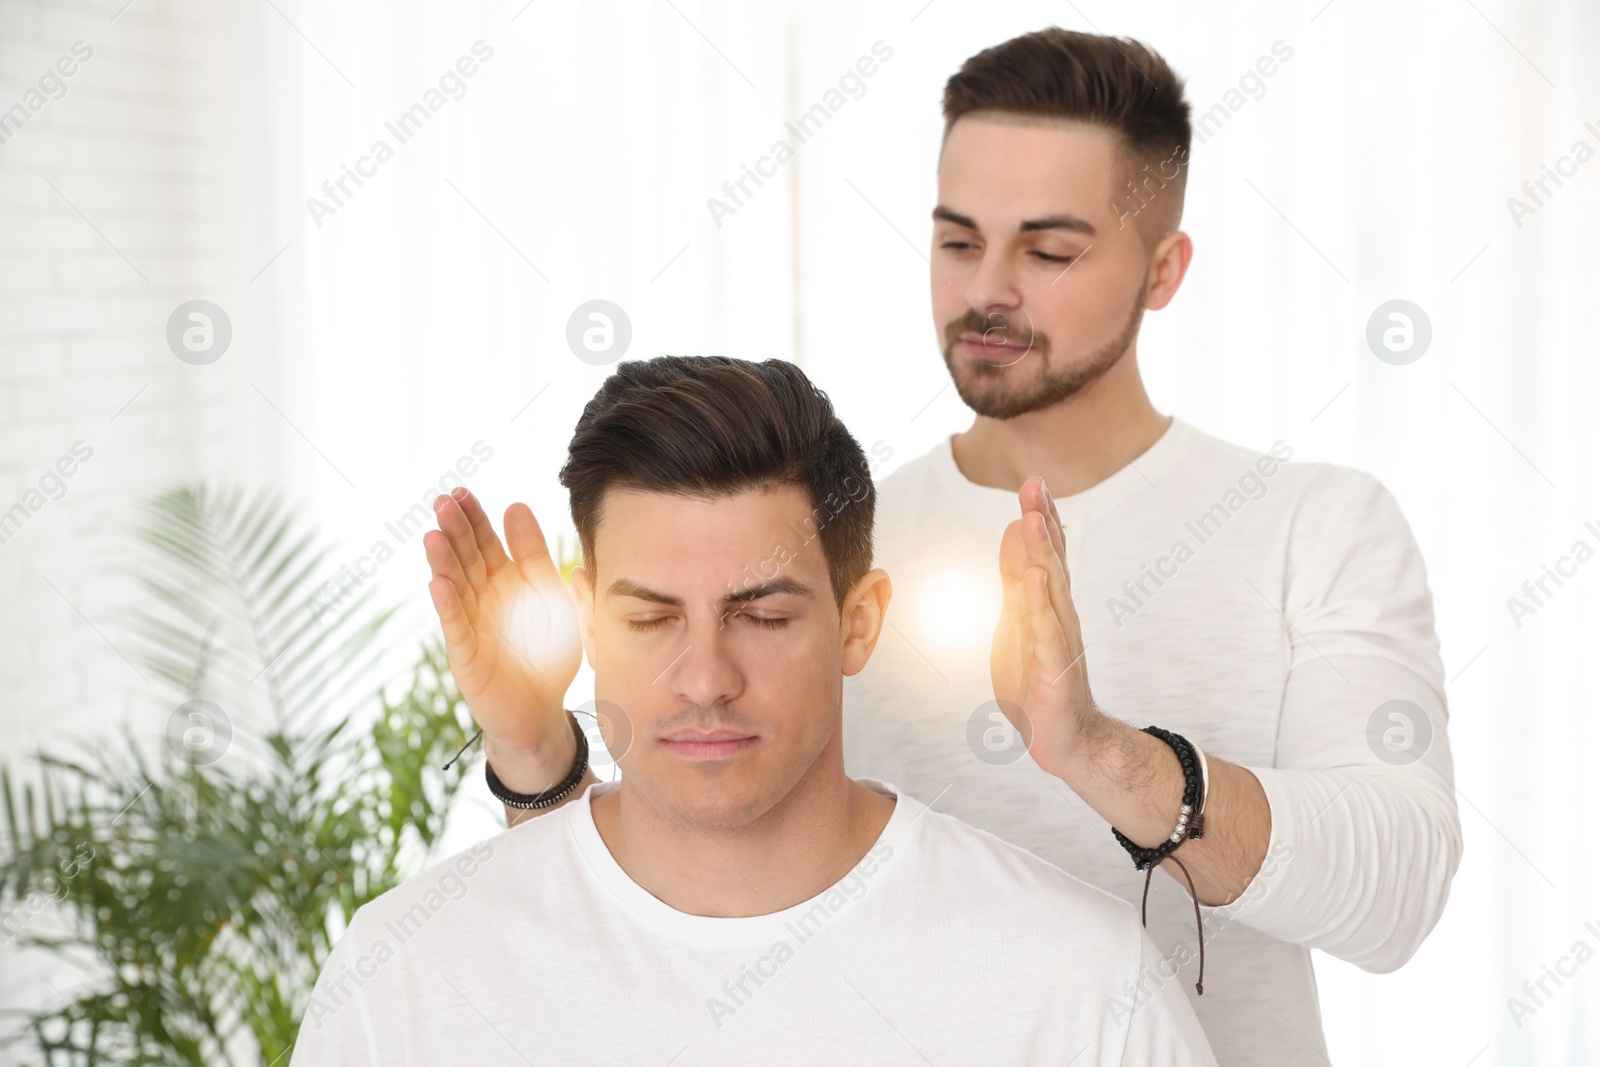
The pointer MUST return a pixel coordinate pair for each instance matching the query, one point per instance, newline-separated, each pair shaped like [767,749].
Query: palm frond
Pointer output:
[200,896]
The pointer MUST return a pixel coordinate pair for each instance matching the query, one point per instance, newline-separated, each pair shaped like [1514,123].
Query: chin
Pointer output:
[714,805]
[729,794]
[1026,386]
[986,394]
[999,392]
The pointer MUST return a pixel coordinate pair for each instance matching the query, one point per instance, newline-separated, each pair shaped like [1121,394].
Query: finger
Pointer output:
[460,639]
[453,522]
[494,557]
[1013,566]
[528,547]
[1061,602]
[1050,652]
[1058,532]
[1041,553]
[445,564]
[1035,496]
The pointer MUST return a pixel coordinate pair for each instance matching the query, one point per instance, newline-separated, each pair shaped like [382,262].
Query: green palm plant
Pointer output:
[199,883]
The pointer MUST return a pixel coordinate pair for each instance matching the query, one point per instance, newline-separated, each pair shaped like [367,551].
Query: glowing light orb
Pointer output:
[542,625]
[956,608]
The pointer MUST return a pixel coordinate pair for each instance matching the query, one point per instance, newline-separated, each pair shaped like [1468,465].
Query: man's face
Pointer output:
[711,626]
[1039,268]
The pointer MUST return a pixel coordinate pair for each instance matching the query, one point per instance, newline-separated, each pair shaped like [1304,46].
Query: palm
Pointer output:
[509,625]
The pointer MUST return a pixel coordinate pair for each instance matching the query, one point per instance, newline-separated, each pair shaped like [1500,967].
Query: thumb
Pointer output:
[1013,564]
[1048,642]
[1013,551]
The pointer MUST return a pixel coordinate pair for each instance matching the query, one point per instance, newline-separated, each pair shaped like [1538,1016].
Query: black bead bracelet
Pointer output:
[1191,823]
[1191,816]
[556,793]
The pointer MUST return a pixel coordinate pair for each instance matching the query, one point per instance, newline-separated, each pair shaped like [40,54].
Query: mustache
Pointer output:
[995,327]
[716,717]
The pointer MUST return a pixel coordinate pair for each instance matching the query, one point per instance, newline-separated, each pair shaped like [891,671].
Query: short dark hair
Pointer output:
[712,426]
[1118,83]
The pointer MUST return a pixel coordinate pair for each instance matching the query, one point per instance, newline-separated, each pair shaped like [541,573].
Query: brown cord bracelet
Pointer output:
[1191,823]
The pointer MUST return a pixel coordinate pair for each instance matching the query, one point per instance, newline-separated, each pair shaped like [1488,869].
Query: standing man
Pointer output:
[1274,615]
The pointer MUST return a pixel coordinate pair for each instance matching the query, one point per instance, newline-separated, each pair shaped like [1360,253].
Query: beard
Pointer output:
[1029,384]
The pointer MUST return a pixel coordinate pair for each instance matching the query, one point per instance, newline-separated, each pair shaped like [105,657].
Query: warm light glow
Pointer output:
[956,608]
[543,626]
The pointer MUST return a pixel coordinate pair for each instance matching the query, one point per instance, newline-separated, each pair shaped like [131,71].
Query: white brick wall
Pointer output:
[136,146]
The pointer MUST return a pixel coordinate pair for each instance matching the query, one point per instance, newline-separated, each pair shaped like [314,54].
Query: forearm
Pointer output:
[534,770]
[1369,854]
[1368,844]
[1136,783]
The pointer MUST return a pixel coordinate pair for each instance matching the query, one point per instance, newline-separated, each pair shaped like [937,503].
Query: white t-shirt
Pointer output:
[1268,611]
[944,944]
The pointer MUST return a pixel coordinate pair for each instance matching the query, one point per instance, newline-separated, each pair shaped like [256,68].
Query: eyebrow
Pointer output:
[776,586]
[627,587]
[1049,222]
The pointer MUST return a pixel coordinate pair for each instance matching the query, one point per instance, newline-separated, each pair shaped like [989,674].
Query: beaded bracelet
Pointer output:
[1191,816]
[556,793]
[1191,823]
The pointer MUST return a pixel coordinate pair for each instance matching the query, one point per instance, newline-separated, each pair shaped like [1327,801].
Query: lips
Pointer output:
[707,744]
[978,348]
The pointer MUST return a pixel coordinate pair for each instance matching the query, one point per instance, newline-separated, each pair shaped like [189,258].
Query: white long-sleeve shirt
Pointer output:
[1273,613]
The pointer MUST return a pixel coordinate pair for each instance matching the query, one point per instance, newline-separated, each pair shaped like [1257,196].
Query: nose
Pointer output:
[704,673]
[992,285]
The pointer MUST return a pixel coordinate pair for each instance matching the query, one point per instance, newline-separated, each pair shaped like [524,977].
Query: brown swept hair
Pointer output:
[713,426]
[1117,83]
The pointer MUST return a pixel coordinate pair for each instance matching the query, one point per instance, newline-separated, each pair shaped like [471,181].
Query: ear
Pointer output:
[583,594]
[861,619]
[1169,262]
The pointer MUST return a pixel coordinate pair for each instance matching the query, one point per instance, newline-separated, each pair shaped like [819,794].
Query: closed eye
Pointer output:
[766,622]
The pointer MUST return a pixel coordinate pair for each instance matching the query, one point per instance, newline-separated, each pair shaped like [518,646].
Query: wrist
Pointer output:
[1085,750]
[534,768]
